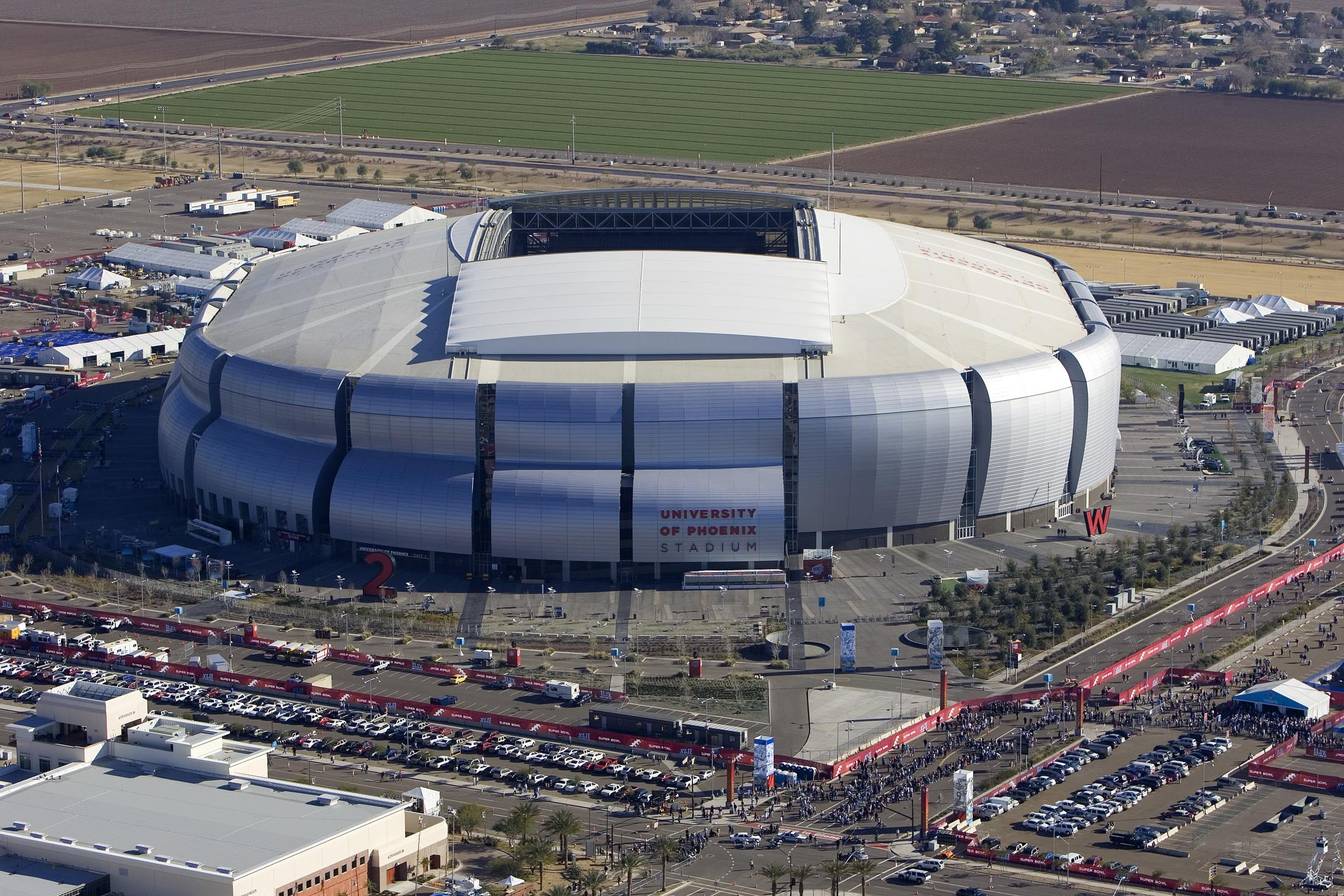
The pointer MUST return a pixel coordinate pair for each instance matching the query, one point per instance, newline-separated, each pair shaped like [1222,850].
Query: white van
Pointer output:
[561,690]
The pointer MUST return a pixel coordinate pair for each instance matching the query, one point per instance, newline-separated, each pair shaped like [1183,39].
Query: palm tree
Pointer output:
[664,850]
[535,854]
[803,872]
[835,870]
[524,817]
[774,873]
[562,825]
[629,863]
[591,882]
[864,868]
[558,890]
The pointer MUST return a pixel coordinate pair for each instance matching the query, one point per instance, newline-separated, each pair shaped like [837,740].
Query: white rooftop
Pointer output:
[641,303]
[373,215]
[188,818]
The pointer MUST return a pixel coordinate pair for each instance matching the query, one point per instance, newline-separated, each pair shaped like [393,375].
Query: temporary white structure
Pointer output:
[94,277]
[1288,697]
[102,352]
[1185,355]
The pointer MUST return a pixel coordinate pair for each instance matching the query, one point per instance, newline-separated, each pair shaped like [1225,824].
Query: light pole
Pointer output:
[163,120]
[56,131]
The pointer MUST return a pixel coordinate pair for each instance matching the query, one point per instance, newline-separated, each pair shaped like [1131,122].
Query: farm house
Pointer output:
[114,350]
[1186,355]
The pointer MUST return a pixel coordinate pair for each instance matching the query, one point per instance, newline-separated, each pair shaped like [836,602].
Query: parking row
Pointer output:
[405,740]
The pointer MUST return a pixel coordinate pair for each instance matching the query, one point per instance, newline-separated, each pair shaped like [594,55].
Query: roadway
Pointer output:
[1316,407]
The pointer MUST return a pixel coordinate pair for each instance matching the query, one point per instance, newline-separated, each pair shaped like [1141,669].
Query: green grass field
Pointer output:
[638,105]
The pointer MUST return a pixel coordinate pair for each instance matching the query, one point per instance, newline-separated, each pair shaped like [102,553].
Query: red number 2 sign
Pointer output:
[374,586]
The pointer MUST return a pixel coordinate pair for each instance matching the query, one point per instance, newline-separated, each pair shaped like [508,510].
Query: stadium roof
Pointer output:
[641,303]
[899,299]
[182,816]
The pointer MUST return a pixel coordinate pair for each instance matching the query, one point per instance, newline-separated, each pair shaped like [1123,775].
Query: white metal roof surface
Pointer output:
[887,298]
[641,303]
[1181,351]
[1288,693]
[171,338]
[373,215]
[190,264]
[183,816]
[29,877]
[321,230]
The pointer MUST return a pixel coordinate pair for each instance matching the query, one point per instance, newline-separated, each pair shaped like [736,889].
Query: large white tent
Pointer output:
[1280,303]
[1287,697]
[94,277]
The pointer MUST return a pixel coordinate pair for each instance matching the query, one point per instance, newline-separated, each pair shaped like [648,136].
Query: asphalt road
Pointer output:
[1316,408]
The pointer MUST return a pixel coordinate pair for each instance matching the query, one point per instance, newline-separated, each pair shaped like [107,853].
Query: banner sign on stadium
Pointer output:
[700,532]
[963,791]
[848,646]
[934,638]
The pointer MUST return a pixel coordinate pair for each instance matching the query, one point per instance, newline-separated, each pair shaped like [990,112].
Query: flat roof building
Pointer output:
[1192,355]
[167,806]
[322,231]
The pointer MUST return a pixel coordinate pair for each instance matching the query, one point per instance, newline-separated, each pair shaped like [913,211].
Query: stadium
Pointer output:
[634,383]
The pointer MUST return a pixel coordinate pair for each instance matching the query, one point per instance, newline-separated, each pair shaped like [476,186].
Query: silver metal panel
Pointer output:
[709,515]
[558,425]
[556,514]
[177,415]
[403,500]
[1093,364]
[264,470]
[280,401]
[1024,431]
[413,415]
[699,425]
[195,358]
[882,451]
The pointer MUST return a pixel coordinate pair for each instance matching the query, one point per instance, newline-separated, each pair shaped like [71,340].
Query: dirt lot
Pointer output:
[87,182]
[111,56]
[139,41]
[1178,144]
[1219,276]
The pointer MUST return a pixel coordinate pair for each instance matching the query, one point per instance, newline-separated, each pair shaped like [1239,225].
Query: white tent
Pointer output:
[95,277]
[1229,316]
[1280,303]
[1251,309]
[1287,697]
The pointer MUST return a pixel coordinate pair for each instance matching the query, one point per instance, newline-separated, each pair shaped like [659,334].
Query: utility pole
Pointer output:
[573,141]
[163,119]
[57,131]
[21,206]
[830,183]
[1101,159]
[340,122]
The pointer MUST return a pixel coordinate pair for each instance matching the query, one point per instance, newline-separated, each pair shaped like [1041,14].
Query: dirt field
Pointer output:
[143,40]
[77,182]
[1169,143]
[121,55]
[1222,277]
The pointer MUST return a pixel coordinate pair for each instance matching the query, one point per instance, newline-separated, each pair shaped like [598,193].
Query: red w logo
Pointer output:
[1097,519]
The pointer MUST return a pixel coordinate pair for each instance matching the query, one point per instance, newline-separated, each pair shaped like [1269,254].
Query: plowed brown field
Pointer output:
[1167,143]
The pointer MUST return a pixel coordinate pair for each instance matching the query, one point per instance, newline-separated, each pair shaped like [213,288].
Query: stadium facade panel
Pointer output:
[628,383]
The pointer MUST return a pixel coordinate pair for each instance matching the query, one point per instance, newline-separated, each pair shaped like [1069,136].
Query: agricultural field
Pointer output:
[622,105]
[77,45]
[1176,144]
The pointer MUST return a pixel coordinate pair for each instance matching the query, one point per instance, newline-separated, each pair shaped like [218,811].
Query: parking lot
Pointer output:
[1089,809]
[385,745]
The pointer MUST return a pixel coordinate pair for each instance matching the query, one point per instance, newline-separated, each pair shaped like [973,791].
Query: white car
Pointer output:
[610,790]
[911,876]
[930,865]
[743,840]
[587,786]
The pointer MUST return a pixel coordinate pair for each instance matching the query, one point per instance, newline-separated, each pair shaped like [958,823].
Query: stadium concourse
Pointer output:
[624,383]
